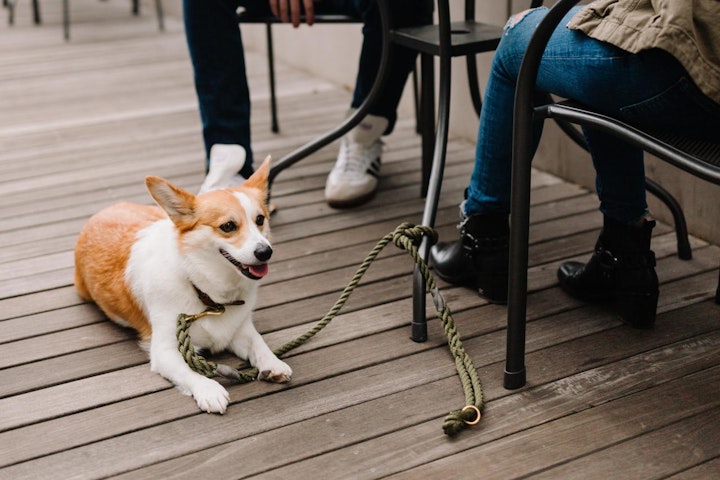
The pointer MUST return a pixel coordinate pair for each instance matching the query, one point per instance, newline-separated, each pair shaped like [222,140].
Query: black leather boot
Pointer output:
[621,271]
[479,259]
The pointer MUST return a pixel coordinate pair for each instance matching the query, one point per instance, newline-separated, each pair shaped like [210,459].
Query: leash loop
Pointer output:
[408,237]
[475,411]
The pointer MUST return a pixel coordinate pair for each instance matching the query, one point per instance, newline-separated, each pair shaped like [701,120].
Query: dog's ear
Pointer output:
[259,179]
[178,203]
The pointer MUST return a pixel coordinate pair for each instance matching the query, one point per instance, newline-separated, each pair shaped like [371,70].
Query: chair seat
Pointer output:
[468,38]
[696,156]
[699,149]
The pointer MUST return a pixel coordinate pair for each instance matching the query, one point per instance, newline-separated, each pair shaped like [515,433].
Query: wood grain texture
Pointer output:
[82,123]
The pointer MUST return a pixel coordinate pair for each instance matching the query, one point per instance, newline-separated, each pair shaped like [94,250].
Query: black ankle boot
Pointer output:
[621,271]
[479,259]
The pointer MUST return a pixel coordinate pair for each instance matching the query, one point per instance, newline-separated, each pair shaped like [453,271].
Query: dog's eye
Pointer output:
[260,220]
[228,227]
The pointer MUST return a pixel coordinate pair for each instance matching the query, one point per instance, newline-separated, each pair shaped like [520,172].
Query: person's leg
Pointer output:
[404,13]
[569,64]
[479,259]
[354,178]
[574,66]
[216,51]
[596,74]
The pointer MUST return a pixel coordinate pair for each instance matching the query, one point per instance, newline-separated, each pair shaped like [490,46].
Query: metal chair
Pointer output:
[681,233]
[445,40]
[269,21]
[697,157]
[466,38]
[135,8]
[10,5]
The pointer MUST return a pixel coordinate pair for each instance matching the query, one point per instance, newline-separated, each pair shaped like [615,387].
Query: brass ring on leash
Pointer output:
[478,415]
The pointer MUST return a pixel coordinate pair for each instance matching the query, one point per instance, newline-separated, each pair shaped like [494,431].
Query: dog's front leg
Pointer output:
[248,344]
[166,360]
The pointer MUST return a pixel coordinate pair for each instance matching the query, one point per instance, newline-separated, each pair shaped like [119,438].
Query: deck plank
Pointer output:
[331,432]
[416,445]
[598,428]
[82,123]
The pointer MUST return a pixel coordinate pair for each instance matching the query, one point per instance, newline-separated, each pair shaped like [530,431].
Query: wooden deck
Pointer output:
[82,123]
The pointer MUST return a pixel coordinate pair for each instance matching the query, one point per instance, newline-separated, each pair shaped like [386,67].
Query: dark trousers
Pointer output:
[216,50]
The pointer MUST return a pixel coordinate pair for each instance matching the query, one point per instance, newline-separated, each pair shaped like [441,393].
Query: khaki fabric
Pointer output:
[687,29]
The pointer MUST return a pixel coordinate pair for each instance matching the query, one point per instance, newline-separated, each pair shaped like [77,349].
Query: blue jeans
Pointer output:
[649,89]
[216,50]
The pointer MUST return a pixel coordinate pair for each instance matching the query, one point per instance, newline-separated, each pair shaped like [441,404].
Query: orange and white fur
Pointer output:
[142,264]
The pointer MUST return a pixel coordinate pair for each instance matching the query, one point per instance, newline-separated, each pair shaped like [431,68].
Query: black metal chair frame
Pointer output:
[681,233]
[135,11]
[269,21]
[699,158]
[445,40]
[467,38]
[135,8]
[10,5]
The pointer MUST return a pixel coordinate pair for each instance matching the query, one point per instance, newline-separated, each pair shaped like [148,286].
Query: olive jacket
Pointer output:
[687,29]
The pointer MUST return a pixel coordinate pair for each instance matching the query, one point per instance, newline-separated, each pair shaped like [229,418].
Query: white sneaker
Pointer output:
[225,163]
[354,178]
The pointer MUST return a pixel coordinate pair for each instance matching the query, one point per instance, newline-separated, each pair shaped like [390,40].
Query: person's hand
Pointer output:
[289,10]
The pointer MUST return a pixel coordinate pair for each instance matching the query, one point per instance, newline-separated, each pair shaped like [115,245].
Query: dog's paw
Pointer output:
[275,371]
[211,397]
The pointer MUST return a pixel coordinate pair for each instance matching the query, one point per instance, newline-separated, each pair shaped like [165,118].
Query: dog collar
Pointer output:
[209,302]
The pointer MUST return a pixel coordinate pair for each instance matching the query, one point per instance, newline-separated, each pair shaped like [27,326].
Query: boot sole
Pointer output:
[494,294]
[495,290]
[637,310]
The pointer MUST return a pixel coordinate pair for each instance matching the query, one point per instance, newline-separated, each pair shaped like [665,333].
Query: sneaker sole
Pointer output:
[350,203]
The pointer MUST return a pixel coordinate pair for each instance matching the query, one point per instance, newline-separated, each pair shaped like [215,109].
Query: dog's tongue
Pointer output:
[258,270]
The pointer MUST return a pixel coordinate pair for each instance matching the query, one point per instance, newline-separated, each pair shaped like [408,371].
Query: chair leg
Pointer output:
[515,375]
[427,114]
[419,326]
[416,100]
[36,12]
[135,7]
[271,80]
[10,5]
[11,11]
[159,12]
[471,63]
[684,250]
[66,19]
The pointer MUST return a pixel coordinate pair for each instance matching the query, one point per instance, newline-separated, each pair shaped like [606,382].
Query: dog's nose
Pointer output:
[263,252]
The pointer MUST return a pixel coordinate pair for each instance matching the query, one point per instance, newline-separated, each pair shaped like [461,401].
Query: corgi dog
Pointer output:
[144,265]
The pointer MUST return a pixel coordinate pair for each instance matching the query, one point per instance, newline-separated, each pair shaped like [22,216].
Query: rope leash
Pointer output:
[406,237]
